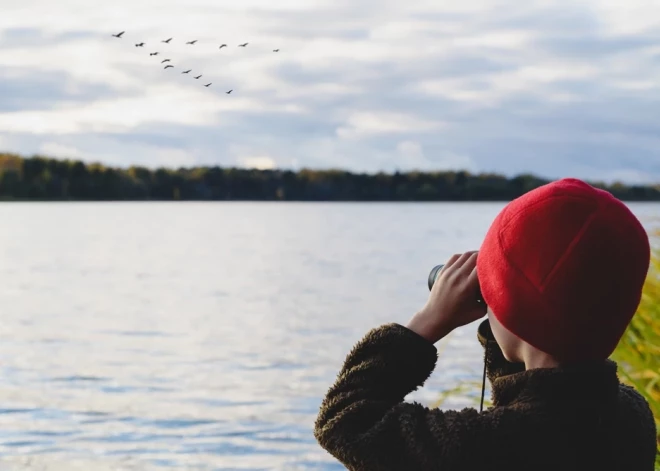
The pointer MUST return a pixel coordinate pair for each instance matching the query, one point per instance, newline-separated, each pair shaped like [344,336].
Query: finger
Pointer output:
[456,273]
[472,279]
[473,286]
[463,259]
[471,261]
[451,261]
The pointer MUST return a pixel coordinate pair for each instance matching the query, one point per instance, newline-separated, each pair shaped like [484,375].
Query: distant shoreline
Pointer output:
[43,179]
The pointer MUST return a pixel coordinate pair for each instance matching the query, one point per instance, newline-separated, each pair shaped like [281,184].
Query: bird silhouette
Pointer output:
[224,45]
[154,53]
[229,91]
[198,77]
[187,71]
[167,41]
[139,45]
[276,50]
[208,84]
[191,42]
[168,66]
[119,35]
[165,60]
[242,45]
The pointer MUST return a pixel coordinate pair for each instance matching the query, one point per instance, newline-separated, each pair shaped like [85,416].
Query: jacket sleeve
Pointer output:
[365,423]
[496,364]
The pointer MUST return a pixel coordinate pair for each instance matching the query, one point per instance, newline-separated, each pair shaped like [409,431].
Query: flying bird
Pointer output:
[168,66]
[276,50]
[208,84]
[187,71]
[242,45]
[119,35]
[198,77]
[165,60]
[224,45]
[139,45]
[191,42]
[229,91]
[167,40]
[153,53]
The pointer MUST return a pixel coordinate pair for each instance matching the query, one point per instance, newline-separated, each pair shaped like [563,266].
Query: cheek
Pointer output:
[497,333]
[504,339]
[508,357]
[494,325]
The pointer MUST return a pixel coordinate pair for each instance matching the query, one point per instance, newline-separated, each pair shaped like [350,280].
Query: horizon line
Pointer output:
[493,174]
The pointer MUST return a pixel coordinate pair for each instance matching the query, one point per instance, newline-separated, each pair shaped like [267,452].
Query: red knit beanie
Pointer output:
[562,267]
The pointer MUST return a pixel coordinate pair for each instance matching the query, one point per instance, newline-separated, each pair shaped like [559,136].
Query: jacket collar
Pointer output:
[593,381]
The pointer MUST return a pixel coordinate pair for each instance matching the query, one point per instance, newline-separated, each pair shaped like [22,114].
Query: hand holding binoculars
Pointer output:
[435,272]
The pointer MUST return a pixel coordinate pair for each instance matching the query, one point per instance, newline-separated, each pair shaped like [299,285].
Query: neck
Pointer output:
[541,363]
[536,359]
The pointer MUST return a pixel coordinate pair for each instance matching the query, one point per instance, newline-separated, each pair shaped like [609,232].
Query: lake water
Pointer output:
[202,336]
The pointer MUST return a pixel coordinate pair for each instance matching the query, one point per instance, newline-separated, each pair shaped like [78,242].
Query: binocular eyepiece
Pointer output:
[435,271]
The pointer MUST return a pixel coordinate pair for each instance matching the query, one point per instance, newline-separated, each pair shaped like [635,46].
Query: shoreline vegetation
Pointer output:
[638,352]
[39,178]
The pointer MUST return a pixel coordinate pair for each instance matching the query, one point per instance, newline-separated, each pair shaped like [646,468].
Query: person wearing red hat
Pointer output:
[561,272]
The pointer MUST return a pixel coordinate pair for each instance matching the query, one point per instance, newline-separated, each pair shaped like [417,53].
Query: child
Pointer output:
[561,270]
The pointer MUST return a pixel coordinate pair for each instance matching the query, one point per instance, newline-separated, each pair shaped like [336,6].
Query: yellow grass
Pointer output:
[638,352]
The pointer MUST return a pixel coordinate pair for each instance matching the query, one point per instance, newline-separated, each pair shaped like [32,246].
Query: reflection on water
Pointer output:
[203,336]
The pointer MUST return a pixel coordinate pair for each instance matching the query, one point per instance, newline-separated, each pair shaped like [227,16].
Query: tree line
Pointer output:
[39,178]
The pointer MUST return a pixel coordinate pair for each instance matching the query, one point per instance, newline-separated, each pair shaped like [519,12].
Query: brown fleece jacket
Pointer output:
[560,419]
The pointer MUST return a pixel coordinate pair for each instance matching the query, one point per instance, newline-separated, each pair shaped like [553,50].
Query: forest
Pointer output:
[39,178]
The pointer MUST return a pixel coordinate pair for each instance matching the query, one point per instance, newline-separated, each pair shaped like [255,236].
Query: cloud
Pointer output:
[259,162]
[367,123]
[21,90]
[623,175]
[56,148]
[413,156]
[554,88]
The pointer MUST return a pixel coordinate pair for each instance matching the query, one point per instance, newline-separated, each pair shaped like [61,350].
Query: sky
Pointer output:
[555,88]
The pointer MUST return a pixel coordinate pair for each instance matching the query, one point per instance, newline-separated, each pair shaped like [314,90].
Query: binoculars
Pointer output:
[435,271]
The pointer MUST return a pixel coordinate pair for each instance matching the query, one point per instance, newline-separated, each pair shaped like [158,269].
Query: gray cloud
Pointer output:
[34,37]
[25,89]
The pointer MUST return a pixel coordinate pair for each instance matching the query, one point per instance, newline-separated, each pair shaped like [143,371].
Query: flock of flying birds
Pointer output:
[191,43]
